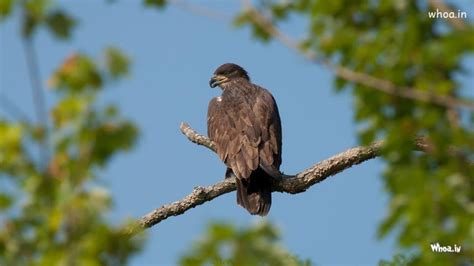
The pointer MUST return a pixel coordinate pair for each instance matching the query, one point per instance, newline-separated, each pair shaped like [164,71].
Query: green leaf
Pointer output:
[224,244]
[69,110]
[398,260]
[33,15]
[156,3]
[5,201]
[60,24]
[117,62]
[6,7]
[78,73]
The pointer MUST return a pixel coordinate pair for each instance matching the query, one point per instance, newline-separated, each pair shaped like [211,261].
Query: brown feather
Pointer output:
[246,127]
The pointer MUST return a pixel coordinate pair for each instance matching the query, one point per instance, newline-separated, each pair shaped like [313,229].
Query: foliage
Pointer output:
[155,3]
[431,193]
[398,260]
[117,62]
[5,8]
[55,214]
[224,244]
[60,24]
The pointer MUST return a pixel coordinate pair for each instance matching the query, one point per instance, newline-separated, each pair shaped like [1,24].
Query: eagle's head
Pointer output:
[228,72]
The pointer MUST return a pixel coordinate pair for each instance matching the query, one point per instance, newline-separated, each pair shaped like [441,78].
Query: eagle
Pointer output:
[245,125]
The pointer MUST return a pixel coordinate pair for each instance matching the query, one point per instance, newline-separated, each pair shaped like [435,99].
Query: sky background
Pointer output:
[174,53]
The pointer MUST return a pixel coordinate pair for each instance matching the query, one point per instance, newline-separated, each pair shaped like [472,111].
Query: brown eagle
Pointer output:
[245,125]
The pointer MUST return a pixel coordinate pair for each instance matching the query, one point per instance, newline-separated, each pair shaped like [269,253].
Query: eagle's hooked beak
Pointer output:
[216,80]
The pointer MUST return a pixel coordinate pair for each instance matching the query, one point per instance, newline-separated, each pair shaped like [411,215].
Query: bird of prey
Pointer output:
[245,125]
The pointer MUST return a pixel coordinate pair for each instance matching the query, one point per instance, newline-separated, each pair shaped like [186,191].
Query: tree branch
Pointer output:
[367,80]
[38,97]
[35,80]
[10,107]
[449,101]
[289,184]
[200,10]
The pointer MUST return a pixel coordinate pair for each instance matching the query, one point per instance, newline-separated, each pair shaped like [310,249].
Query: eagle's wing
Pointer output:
[247,132]
[232,126]
[268,117]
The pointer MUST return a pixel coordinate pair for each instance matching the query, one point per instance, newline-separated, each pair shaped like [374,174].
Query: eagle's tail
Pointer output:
[255,193]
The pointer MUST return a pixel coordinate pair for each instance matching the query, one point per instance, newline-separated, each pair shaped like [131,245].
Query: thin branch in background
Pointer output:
[450,102]
[458,24]
[351,75]
[289,184]
[11,108]
[38,96]
[342,72]
[201,10]
[455,22]
[35,80]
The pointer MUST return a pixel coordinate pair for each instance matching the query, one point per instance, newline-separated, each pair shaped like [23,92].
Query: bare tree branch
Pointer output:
[300,182]
[350,75]
[194,137]
[35,80]
[289,184]
[201,10]
[10,107]
[38,96]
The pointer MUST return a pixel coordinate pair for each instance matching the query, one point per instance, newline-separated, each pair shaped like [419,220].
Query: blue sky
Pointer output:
[174,54]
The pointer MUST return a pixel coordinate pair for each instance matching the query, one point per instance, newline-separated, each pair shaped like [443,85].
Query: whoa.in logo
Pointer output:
[447,14]
[438,248]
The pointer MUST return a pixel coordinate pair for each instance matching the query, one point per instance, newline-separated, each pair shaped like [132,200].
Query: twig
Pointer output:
[290,184]
[38,96]
[367,80]
[10,107]
[200,10]
[35,80]
[351,75]
[194,137]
